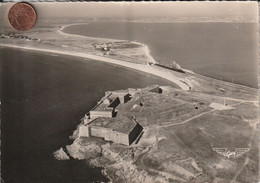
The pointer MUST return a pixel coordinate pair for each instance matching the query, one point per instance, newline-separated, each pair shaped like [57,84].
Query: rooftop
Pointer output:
[120,124]
[104,107]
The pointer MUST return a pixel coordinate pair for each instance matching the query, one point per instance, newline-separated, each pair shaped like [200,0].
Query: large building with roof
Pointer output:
[101,121]
[120,130]
[106,107]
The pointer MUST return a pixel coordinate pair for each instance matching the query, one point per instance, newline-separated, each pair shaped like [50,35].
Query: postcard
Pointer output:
[129,92]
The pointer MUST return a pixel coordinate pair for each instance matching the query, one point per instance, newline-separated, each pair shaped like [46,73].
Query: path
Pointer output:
[194,117]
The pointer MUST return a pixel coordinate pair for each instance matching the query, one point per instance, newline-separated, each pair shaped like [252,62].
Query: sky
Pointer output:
[139,9]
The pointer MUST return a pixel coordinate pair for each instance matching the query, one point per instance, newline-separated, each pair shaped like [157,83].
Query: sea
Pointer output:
[225,51]
[43,98]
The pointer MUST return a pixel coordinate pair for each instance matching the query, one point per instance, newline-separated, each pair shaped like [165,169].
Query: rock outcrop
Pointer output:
[61,154]
[84,150]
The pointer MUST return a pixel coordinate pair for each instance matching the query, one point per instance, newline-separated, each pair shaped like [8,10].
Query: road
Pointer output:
[196,116]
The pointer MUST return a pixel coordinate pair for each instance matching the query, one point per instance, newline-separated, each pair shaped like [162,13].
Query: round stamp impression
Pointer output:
[22,16]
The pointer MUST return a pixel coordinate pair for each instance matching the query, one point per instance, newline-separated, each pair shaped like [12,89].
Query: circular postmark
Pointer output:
[22,16]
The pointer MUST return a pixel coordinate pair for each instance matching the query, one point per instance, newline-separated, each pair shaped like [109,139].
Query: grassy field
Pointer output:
[181,131]
[180,127]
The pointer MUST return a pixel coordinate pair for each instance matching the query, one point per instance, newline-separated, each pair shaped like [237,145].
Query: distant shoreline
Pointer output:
[183,83]
[146,69]
[139,67]
[145,47]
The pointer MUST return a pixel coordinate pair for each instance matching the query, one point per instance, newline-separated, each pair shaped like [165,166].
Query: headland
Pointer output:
[183,127]
[132,55]
[168,134]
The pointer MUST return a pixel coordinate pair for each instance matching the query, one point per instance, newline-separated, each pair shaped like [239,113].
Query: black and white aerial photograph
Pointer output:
[129,92]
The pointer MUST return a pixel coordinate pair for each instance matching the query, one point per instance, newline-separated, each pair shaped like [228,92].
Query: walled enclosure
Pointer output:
[135,133]
[122,131]
[107,113]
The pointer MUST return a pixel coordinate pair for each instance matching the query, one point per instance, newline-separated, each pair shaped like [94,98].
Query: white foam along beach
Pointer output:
[144,68]
[181,82]
[165,74]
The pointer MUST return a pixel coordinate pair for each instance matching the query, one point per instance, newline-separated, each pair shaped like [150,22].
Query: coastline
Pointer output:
[186,82]
[145,47]
[128,160]
[171,76]
[143,68]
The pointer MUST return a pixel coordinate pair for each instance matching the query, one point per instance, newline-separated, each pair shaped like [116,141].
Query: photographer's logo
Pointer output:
[229,154]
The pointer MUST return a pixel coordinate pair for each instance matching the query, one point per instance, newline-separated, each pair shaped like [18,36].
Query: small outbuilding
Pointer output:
[154,88]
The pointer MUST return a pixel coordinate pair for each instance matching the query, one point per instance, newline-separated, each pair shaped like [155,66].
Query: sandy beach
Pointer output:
[163,73]
[147,69]
[122,92]
[145,47]
[55,41]
[199,99]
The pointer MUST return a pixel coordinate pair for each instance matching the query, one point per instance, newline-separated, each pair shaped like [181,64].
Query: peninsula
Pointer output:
[198,130]
[177,135]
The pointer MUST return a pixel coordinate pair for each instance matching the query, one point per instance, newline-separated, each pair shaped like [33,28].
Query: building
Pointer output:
[101,122]
[102,112]
[120,130]
[154,88]
[123,96]
[106,107]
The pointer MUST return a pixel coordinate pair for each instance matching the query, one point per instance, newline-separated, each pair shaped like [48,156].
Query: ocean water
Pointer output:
[43,98]
[226,51]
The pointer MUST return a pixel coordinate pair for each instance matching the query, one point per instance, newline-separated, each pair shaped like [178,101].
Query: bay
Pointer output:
[225,51]
[43,97]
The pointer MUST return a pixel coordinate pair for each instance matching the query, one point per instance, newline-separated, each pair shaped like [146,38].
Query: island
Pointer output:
[199,129]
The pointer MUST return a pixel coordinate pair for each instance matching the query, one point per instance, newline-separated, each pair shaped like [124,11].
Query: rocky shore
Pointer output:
[182,125]
[167,150]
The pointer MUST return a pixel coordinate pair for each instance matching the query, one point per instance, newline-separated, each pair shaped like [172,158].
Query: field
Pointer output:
[181,133]
[193,131]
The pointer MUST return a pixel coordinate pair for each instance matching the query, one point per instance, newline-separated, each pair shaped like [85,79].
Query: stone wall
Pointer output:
[124,98]
[109,135]
[95,114]
[101,132]
[84,131]
[121,138]
[134,133]
[114,103]
[155,89]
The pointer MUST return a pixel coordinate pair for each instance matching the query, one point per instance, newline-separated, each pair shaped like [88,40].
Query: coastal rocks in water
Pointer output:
[75,134]
[84,150]
[61,154]
[164,152]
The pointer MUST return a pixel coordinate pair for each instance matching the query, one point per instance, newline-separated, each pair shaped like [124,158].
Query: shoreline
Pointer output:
[143,68]
[115,160]
[145,47]
[183,83]
[146,50]
[186,83]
